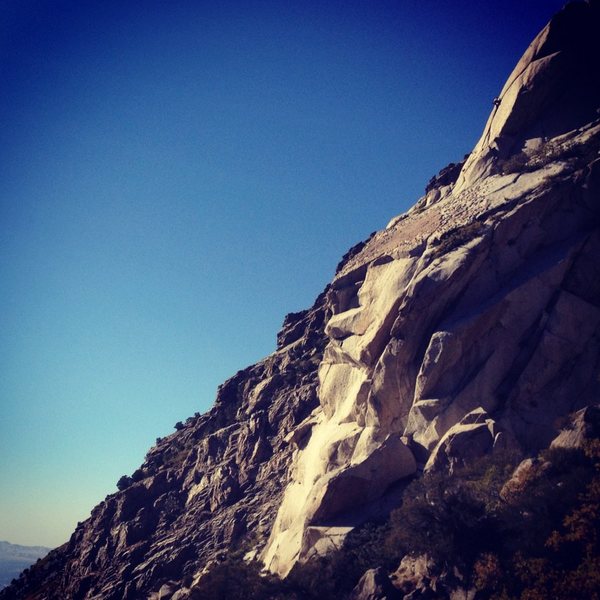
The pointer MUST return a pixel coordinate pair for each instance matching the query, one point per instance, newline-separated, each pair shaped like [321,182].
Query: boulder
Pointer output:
[414,575]
[166,591]
[375,585]
[584,425]
[468,440]
[527,471]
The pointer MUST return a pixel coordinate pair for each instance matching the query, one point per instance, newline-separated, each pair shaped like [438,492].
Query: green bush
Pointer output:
[234,579]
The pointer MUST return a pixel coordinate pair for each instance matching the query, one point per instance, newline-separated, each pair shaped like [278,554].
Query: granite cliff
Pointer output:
[469,325]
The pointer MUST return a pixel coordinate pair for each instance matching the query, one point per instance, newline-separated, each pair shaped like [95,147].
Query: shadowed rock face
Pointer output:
[470,323]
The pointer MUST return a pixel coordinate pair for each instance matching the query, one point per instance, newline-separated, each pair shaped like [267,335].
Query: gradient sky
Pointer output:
[175,177]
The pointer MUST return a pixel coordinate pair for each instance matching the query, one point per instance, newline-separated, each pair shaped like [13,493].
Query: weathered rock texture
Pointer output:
[473,321]
[207,488]
[470,323]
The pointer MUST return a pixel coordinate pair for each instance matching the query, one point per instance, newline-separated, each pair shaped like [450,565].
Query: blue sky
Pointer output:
[175,177]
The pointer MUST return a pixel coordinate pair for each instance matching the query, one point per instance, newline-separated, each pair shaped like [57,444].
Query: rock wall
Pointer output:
[472,322]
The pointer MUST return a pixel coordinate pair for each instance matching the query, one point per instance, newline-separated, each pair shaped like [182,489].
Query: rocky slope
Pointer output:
[201,491]
[470,324]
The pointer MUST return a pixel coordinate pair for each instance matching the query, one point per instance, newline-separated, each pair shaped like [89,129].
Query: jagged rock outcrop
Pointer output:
[470,323]
[201,491]
[475,435]
[552,90]
[413,576]
[581,427]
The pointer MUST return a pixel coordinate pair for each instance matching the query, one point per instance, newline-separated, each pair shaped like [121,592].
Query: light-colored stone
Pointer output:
[470,439]
[527,471]
[546,95]
[584,425]
[166,591]
[320,540]
[467,325]
[375,585]
[414,574]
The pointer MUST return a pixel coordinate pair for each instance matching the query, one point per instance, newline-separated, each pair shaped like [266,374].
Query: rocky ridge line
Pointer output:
[205,489]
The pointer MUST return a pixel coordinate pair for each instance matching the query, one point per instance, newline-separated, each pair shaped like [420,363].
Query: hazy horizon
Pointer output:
[175,179]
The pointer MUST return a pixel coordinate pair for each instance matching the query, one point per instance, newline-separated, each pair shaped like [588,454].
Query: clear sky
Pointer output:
[175,177]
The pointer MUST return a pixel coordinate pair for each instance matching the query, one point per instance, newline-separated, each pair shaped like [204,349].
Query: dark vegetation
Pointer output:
[459,236]
[352,252]
[521,162]
[449,174]
[540,541]
[124,482]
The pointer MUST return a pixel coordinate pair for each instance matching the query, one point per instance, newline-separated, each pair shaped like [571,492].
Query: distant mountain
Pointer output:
[15,558]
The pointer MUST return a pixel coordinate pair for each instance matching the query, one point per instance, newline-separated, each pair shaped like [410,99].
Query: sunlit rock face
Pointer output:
[552,90]
[471,323]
